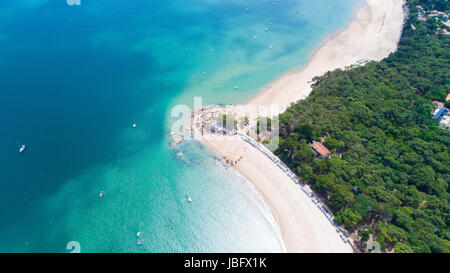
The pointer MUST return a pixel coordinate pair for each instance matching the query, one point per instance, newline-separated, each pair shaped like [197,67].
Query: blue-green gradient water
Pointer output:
[73,79]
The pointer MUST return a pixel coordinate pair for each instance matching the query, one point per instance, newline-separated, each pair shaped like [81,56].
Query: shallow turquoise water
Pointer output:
[74,78]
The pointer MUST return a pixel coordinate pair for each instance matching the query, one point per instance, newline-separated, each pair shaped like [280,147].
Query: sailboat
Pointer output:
[21,147]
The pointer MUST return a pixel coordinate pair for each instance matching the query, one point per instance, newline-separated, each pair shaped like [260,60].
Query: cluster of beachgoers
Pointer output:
[305,226]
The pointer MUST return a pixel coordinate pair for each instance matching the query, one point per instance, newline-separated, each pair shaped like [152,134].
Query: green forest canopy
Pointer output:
[389,172]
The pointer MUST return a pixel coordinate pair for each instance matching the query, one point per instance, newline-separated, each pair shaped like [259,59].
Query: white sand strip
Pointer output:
[372,35]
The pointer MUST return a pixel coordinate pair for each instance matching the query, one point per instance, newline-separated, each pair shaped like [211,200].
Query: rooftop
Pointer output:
[441,104]
[319,148]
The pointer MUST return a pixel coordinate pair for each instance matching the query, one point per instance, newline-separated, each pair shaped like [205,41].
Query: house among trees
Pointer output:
[438,104]
[442,114]
[445,122]
[320,149]
[440,110]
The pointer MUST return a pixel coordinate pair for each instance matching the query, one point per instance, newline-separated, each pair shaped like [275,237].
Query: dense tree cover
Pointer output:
[387,178]
[442,5]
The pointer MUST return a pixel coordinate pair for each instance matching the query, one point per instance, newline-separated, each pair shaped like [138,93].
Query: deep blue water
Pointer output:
[73,79]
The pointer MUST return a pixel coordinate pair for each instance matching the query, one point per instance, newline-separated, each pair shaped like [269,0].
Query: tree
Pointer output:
[348,217]
[305,131]
[332,143]
[227,122]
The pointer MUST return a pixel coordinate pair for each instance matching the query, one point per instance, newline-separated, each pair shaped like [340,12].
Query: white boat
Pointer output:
[101,194]
[22,148]
[189,199]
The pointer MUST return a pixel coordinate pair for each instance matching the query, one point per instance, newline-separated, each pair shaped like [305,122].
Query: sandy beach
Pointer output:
[372,35]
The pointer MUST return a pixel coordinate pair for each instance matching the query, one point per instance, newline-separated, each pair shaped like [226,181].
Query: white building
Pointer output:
[445,122]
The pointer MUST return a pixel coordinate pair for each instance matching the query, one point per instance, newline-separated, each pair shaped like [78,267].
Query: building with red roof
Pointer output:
[438,103]
[320,149]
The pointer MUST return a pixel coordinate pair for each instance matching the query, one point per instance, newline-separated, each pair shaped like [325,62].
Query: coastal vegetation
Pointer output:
[228,121]
[387,178]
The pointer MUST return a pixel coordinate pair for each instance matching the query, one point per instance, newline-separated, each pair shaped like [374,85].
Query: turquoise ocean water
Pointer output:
[73,79]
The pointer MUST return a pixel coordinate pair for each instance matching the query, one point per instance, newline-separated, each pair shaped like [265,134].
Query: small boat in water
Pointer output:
[22,148]
[139,242]
[189,199]
[101,194]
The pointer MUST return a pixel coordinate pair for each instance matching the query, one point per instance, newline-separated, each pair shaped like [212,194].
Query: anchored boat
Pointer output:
[22,148]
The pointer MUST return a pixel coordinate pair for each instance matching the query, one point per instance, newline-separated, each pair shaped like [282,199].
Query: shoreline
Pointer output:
[210,146]
[270,209]
[372,35]
[297,216]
